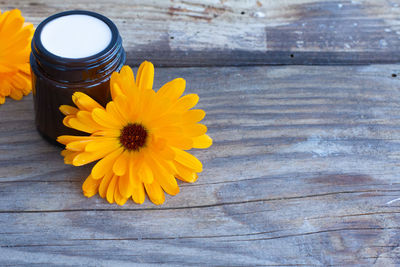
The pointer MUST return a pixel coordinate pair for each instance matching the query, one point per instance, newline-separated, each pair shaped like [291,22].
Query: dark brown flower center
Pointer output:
[133,136]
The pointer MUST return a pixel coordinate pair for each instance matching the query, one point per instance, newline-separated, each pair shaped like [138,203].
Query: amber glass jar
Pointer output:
[56,77]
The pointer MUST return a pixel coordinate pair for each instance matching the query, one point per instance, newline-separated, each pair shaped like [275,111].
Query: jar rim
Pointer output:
[38,47]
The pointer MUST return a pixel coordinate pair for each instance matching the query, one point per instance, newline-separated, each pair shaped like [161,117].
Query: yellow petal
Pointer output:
[104,184]
[78,125]
[188,160]
[173,89]
[90,186]
[163,176]
[195,129]
[185,174]
[186,102]
[134,164]
[20,41]
[111,189]
[118,197]
[145,76]
[108,133]
[12,22]
[127,73]
[121,164]
[77,145]
[88,157]
[68,156]
[155,193]
[112,109]
[146,104]
[16,94]
[85,102]
[162,151]
[181,143]
[105,119]
[193,116]
[85,117]
[65,139]
[123,104]
[5,87]
[202,141]
[114,88]
[128,81]
[66,120]
[103,144]
[68,110]
[20,81]
[125,186]
[145,173]
[105,165]
[6,69]
[138,194]
[168,119]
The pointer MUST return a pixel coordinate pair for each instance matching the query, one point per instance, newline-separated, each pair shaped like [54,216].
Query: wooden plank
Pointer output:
[256,32]
[304,171]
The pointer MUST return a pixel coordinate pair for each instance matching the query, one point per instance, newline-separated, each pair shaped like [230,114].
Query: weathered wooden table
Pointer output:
[305,166]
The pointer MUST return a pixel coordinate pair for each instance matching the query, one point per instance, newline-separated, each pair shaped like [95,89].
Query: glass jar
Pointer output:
[55,76]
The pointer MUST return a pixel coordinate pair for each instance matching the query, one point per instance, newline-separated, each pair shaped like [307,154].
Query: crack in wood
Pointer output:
[199,206]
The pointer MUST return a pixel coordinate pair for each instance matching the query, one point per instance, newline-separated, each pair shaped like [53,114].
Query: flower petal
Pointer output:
[125,187]
[202,141]
[138,195]
[85,102]
[111,189]
[188,160]
[173,89]
[115,89]
[145,173]
[76,124]
[105,165]
[145,76]
[118,197]
[185,174]
[88,157]
[186,102]
[164,177]
[16,94]
[195,129]
[105,119]
[68,110]
[104,183]
[121,164]
[68,156]
[193,116]
[103,143]
[65,139]
[155,193]
[90,186]
[78,145]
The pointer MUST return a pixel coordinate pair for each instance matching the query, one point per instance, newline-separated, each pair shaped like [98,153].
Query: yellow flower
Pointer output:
[141,137]
[15,47]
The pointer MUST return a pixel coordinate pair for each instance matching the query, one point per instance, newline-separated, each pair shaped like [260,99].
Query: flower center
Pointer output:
[133,136]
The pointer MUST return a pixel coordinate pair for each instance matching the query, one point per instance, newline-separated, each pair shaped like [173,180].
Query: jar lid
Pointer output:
[75,69]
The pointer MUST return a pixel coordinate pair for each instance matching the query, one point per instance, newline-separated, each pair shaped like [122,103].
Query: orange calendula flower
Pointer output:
[15,47]
[139,138]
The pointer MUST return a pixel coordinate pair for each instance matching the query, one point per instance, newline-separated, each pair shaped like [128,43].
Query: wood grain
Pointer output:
[304,171]
[253,32]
